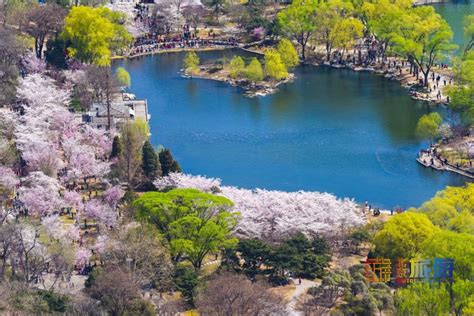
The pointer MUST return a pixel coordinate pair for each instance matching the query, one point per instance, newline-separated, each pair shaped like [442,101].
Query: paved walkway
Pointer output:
[299,291]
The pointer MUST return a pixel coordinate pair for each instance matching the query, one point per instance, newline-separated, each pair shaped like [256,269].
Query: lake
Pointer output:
[331,130]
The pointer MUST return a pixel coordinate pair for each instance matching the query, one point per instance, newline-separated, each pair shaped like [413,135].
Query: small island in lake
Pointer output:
[257,78]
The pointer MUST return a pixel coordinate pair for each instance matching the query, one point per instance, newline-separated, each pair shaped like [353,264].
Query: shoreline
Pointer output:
[431,99]
[252,89]
[404,80]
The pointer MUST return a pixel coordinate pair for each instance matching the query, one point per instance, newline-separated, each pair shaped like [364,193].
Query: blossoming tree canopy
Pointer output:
[100,212]
[40,194]
[113,195]
[265,213]
[8,179]
[50,139]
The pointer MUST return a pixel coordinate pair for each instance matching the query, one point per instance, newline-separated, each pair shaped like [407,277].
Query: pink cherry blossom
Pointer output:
[40,194]
[265,212]
[101,244]
[113,196]
[100,212]
[73,233]
[82,257]
[41,156]
[73,199]
[39,91]
[34,64]
[53,226]
[8,179]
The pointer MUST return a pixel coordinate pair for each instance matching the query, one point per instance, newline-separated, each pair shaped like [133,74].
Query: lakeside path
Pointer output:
[175,50]
[395,68]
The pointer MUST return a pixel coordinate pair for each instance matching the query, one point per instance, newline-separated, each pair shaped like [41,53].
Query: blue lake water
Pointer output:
[348,133]
[351,134]
[454,12]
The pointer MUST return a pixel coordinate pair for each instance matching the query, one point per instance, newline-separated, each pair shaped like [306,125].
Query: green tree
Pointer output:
[422,299]
[236,67]
[194,238]
[274,66]
[133,136]
[402,235]
[186,280]
[191,63]
[469,33]
[384,20]
[195,223]
[460,247]
[462,296]
[462,93]
[288,53]
[55,53]
[150,163]
[424,38]
[428,126]
[298,21]
[95,33]
[117,147]
[345,32]
[452,208]
[123,77]
[254,71]
[328,15]
[167,162]
[255,254]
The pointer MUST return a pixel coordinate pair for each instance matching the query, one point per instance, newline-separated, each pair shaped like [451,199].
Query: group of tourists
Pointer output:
[150,44]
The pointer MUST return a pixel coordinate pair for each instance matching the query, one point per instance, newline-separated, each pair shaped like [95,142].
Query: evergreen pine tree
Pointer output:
[168,164]
[150,163]
[117,147]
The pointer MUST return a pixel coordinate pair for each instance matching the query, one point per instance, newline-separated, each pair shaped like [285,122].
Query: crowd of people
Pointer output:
[153,42]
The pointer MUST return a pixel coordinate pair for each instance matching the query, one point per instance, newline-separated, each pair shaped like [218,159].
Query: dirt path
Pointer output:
[299,291]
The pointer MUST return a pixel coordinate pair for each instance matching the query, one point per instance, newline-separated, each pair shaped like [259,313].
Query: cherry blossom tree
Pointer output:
[8,179]
[113,196]
[101,244]
[73,199]
[100,212]
[82,257]
[73,233]
[53,226]
[41,156]
[268,214]
[40,194]
[33,64]
[36,90]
